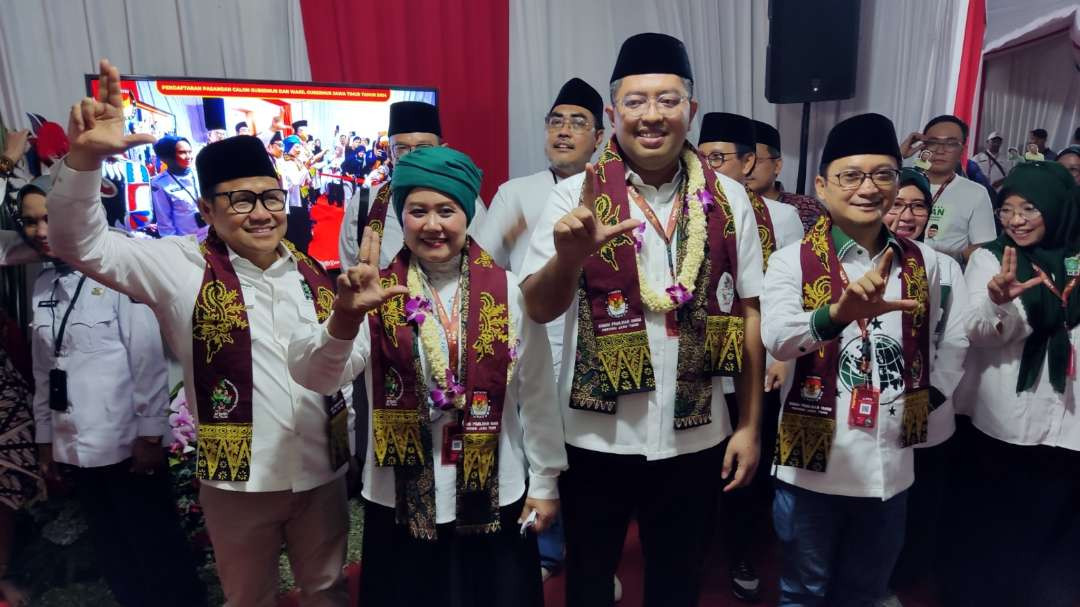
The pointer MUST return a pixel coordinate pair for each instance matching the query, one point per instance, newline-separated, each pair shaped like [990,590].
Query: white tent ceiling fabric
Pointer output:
[47,46]
[1031,72]
[906,65]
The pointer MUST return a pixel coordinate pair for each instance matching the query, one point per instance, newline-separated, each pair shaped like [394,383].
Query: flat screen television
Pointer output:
[346,142]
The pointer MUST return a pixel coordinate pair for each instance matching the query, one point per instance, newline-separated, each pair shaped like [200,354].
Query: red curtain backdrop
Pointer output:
[459,46]
[970,61]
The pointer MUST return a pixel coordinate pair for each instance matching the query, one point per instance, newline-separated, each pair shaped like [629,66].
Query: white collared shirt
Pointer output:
[950,345]
[862,462]
[521,200]
[531,445]
[393,237]
[1039,416]
[289,444]
[117,378]
[962,216]
[644,424]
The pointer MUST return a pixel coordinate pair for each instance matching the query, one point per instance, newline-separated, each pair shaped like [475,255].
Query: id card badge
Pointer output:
[453,444]
[864,406]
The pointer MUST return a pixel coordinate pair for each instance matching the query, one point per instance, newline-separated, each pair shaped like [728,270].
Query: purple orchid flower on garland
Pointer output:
[444,399]
[417,309]
[707,200]
[639,237]
[679,294]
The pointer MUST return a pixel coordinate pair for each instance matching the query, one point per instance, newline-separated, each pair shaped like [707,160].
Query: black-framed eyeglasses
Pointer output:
[717,159]
[943,144]
[852,179]
[577,124]
[918,209]
[244,201]
[401,149]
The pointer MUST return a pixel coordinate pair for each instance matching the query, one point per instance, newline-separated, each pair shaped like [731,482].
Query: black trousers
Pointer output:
[674,501]
[920,558]
[497,570]
[1014,532]
[142,551]
[747,510]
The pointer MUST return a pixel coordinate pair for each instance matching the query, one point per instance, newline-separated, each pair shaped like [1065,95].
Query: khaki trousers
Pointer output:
[248,530]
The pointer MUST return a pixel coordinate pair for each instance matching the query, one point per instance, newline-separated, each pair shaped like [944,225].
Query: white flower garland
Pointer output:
[431,340]
[683,289]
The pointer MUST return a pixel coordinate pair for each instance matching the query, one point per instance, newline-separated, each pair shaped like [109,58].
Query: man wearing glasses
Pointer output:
[413,125]
[854,308]
[272,456]
[653,318]
[961,215]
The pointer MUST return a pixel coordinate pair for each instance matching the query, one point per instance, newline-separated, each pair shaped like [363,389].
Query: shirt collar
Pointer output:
[845,243]
[284,256]
[635,180]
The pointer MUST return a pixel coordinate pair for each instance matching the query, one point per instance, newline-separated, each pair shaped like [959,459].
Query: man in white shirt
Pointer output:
[414,125]
[864,381]
[991,162]
[272,456]
[647,430]
[575,127]
[100,412]
[961,215]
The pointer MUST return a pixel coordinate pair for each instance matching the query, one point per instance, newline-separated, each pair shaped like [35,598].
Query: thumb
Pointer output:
[394,291]
[1031,282]
[624,226]
[904,305]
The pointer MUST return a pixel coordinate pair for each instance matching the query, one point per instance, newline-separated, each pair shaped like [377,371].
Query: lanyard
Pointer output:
[866,361]
[665,232]
[941,190]
[451,325]
[194,197]
[1063,296]
[58,339]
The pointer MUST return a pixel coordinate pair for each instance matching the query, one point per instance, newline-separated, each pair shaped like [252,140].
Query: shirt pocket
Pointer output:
[92,326]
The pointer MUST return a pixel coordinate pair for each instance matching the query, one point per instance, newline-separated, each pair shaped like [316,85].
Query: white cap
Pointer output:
[994,135]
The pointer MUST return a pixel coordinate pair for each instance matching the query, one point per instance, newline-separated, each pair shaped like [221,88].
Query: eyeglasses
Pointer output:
[1005,214]
[244,201]
[667,104]
[852,179]
[400,149]
[943,144]
[577,124]
[918,209]
[717,159]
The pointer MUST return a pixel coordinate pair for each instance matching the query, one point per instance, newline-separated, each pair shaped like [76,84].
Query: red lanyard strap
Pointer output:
[450,324]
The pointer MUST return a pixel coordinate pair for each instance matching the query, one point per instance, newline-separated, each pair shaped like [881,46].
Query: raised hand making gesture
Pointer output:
[865,297]
[580,232]
[1003,287]
[360,290]
[96,125]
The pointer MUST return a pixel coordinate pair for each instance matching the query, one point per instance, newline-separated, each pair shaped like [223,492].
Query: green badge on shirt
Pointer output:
[1072,265]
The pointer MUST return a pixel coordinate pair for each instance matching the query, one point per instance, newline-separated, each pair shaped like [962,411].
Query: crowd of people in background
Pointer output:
[648,329]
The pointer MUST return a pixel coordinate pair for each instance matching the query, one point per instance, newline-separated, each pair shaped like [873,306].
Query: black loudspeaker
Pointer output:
[813,46]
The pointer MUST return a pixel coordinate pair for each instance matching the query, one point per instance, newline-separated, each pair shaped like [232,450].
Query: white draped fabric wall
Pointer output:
[1035,84]
[47,45]
[906,63]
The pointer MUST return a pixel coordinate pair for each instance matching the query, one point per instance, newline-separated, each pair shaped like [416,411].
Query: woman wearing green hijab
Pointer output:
[1020,385]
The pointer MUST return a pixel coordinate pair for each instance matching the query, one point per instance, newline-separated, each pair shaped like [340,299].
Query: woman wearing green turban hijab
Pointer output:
[1022,519]
[466,440]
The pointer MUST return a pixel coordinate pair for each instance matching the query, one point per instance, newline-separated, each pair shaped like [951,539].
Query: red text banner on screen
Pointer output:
[211,88]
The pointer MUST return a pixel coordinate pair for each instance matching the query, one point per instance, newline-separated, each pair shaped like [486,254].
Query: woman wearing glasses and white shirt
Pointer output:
[1021,464]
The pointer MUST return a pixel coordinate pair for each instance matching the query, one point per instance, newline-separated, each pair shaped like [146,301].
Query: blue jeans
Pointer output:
[836,550]
[552,546]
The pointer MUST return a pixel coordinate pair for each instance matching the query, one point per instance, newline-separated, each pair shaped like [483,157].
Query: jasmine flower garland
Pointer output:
[447,392]
[697,197]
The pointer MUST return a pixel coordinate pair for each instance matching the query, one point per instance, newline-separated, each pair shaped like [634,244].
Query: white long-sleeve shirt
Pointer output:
[1039,416]
[289,446]
[950,345]
[644,423]
[531,445]
[117,378]
[862,462]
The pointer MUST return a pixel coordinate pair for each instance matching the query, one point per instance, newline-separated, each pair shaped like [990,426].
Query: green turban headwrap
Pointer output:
[439,168]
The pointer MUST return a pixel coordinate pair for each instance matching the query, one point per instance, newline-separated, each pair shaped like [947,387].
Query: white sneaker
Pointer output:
[618,589]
